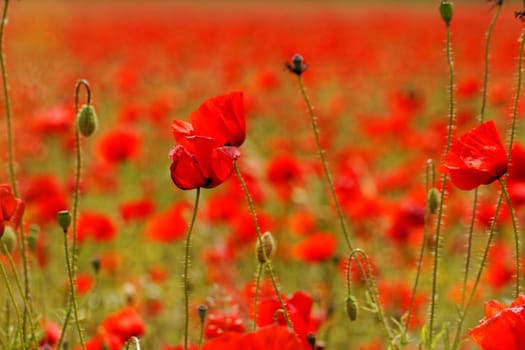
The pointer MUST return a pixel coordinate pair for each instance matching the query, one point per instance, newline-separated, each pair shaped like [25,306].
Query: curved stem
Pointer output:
[256,295]
[267,262]
[186,267]
[339,210]
[443,188]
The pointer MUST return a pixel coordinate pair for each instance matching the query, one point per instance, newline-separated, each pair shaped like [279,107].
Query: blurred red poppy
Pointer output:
[119,145]
[221,118]
[476,158]
[198,161]
[124,323]
[316,247]
[98,226]
[12,208]
[268,338]
[503,327]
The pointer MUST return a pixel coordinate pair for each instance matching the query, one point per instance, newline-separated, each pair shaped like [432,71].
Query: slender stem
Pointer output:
[516,235]
[481,119]
[186,267]
[256,295]
[486,70]
[267,262]
[20,288]
[428,185]
[437,243]
[11,162]
[13,300]
[339,210]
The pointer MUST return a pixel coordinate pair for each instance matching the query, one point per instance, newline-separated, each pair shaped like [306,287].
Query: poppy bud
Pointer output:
[202,310]
[433,200]
[32,237]
[95,264]
[310,337]
[8,240]
[87,120]
[351,307]
[297,66]
[64,219]
[265,247]
[445,9]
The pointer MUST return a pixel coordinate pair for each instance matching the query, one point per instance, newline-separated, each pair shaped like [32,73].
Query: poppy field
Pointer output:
[293,176]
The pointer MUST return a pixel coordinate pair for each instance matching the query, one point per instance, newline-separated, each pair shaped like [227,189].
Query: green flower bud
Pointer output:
[64,219]
[32,237]
[445,9]
[433,200]
[8,240]
[265,249]
[351,307]
[87,120]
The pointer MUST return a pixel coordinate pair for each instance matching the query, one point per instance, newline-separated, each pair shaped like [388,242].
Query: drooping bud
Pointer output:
[87,120]
[445,9]
[64,219]
[351,307]
[265,247]
[433,200]
[8,240]
[202,310]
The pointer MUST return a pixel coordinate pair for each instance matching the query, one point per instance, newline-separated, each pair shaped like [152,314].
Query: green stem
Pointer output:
[339,210]
[186,267]
[267,262]
[428,185]
[11,162]
[437,243]
[516,235]
[13,301]
[256,295]
[25,302]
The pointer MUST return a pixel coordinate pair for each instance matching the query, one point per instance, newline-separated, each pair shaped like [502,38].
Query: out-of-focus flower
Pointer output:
[316,247]
[476,158]
[12,208]
[119,145]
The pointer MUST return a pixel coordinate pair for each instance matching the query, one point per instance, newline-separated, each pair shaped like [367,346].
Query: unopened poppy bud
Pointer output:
[433,200]
[202,310]
[64,219]
[311,340]
[445,9]
[265,247]
[32,237]
[87,120]
[297,66]
[8,240]
[351,307]
[95,263]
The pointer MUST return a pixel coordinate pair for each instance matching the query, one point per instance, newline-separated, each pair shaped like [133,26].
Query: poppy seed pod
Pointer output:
[433,200]
[8,240]
[445,10]
[64,219]
[351,307]
[202,310]
[265,247]
[87,120]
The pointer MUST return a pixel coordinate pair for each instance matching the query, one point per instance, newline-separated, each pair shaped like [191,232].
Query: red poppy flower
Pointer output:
[316,247]
[198,161]
[136,210]
[119,145]
[169,225]
[476,158]
[124,323]
[221,118]
[268,338]
[503,327]
[12,208]
[98,226]
[51,332]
